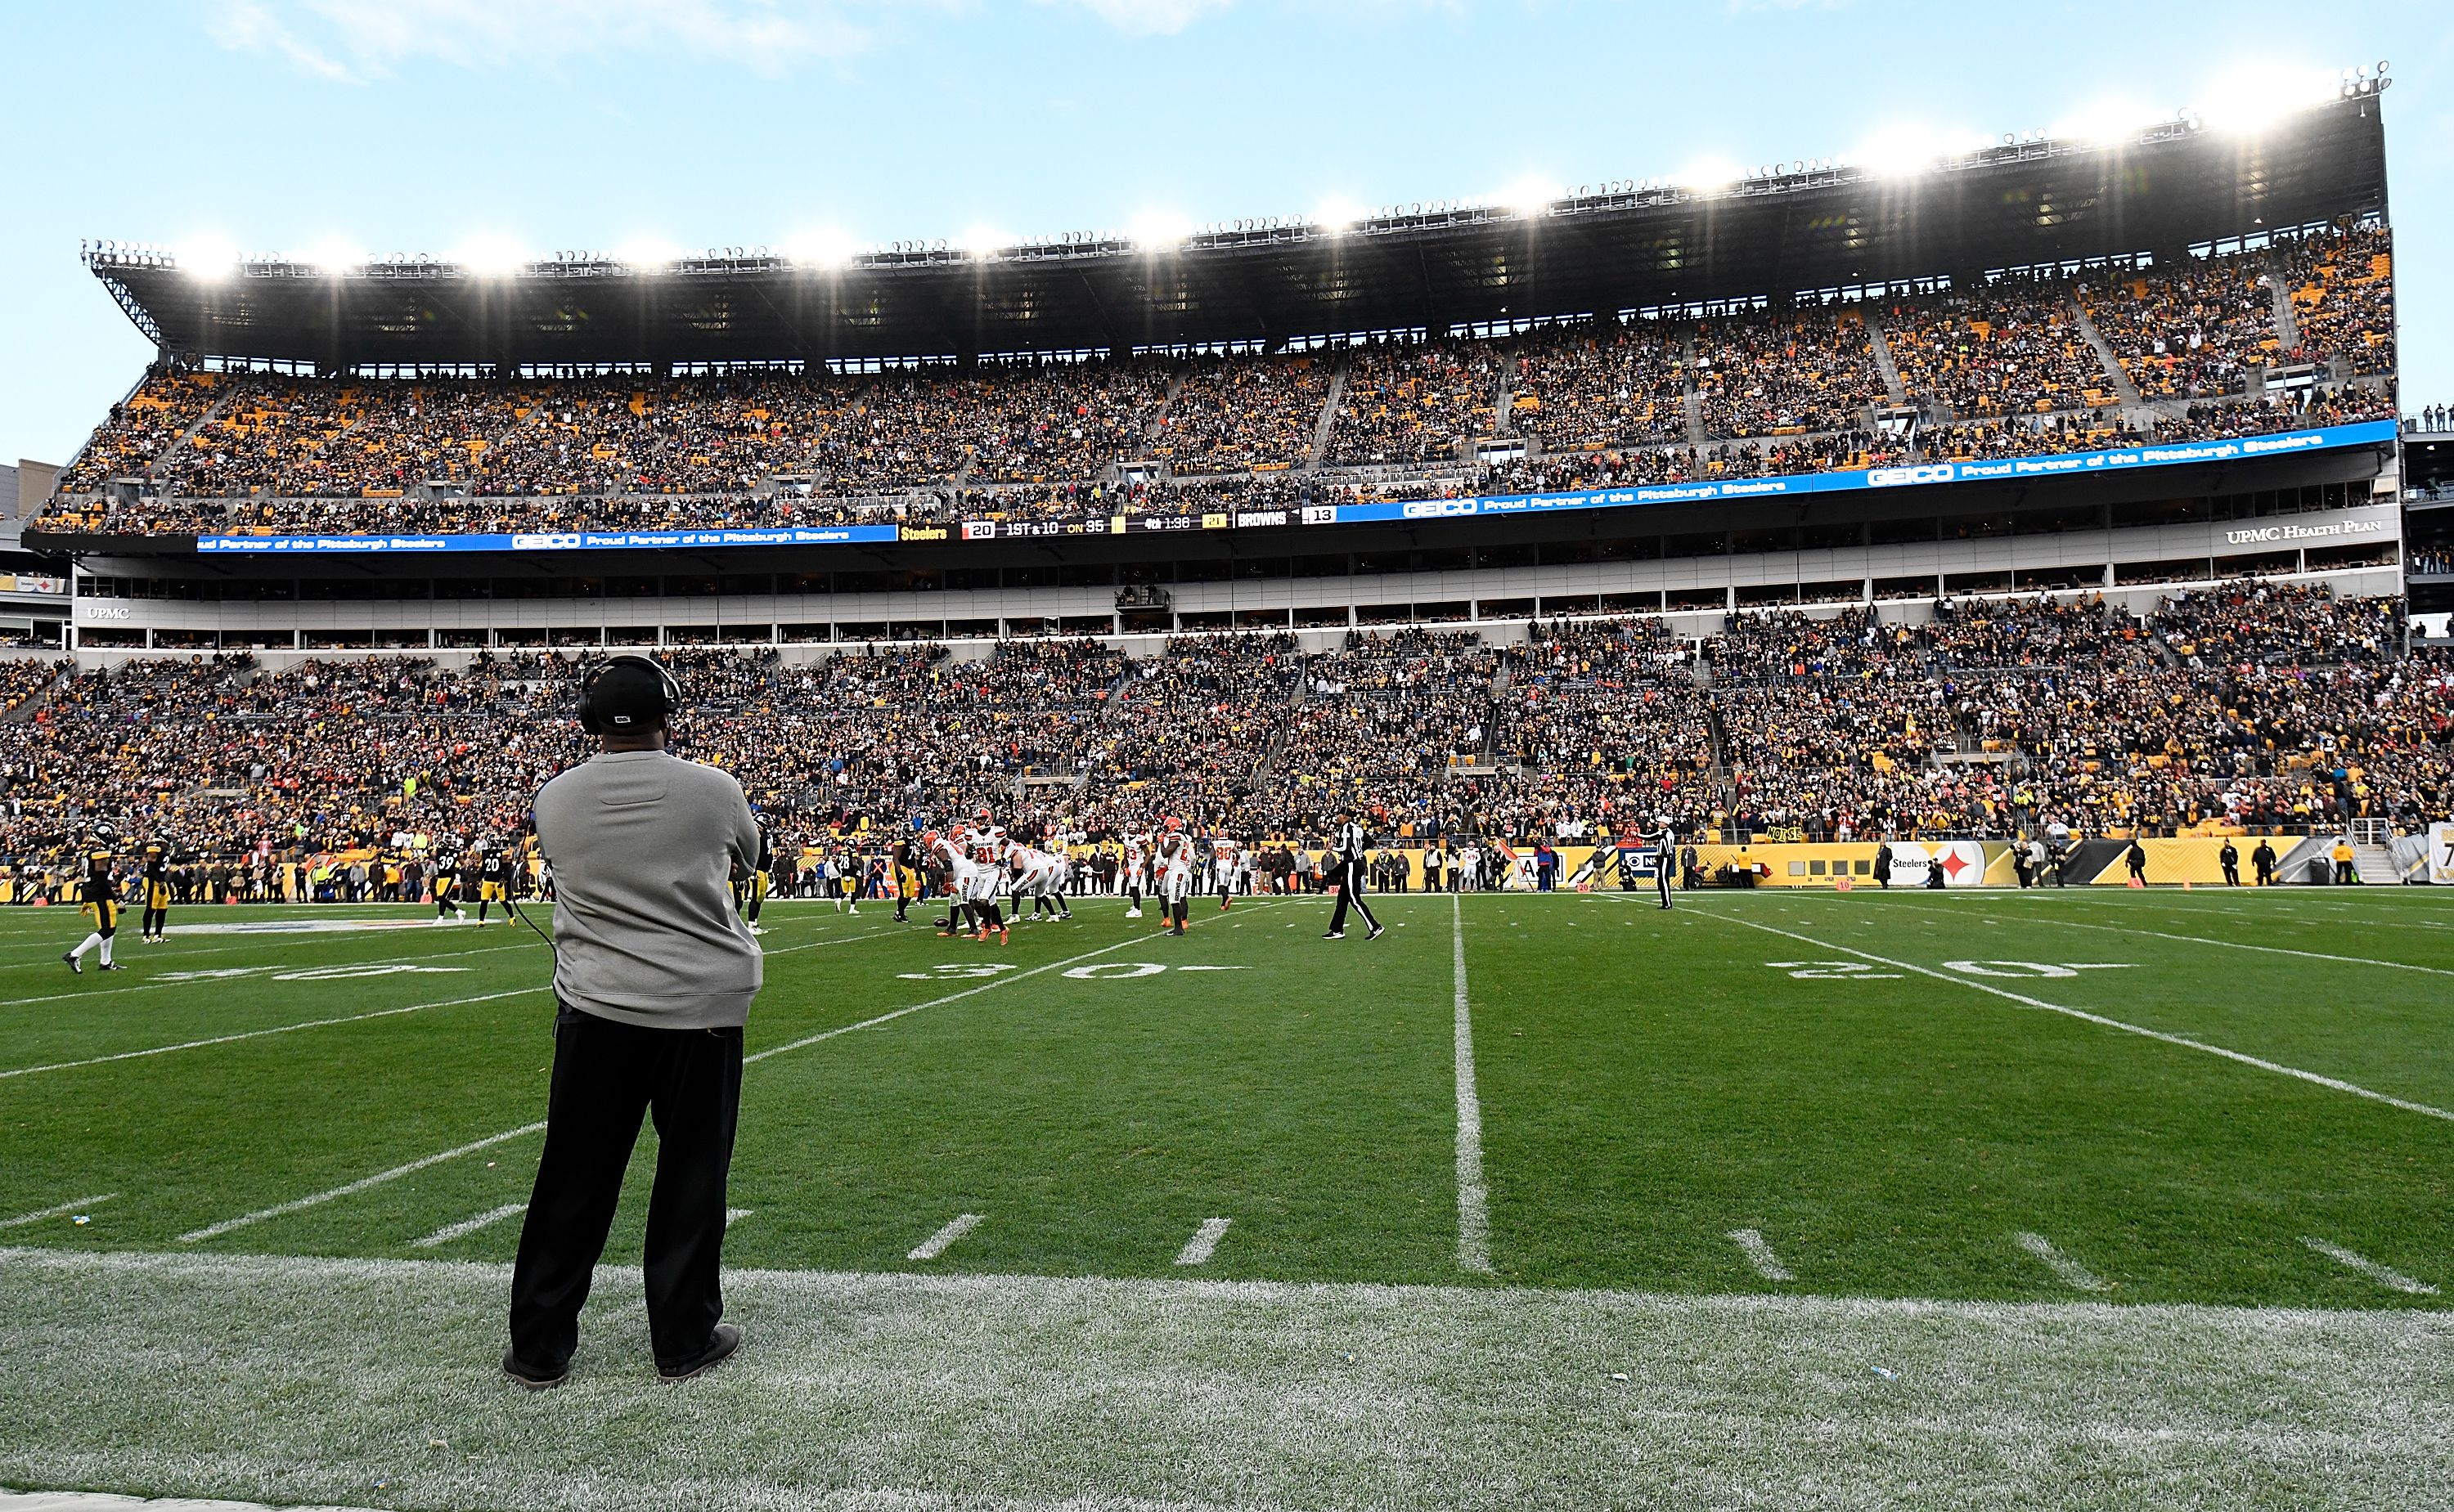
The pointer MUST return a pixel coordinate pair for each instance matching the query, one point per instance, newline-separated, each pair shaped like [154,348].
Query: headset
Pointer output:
[670,691]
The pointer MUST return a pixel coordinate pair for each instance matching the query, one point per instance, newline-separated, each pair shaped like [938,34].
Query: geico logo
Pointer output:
[1895,477]
[104,611]
[1438,508]
[544,542]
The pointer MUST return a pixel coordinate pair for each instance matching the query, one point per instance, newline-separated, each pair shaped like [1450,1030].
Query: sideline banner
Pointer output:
[2068,464]
[2440,854]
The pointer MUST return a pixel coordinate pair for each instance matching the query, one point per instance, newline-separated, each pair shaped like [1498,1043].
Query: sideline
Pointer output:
[1474,1198]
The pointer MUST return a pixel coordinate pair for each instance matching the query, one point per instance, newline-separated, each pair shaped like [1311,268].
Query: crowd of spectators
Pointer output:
[2190,330]
[1237,414]
[2256,703]
[1587,390]
[1775,372]
[1415,402]
[2009,347]
[2343,298]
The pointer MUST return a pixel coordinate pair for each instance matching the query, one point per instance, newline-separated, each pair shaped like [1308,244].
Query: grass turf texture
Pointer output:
[1649,1084]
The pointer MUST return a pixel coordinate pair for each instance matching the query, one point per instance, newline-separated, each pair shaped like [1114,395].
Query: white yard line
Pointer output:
[935,1246]
[1474,1198]
[352,1188]
[2382,1275]
[2315,1078]
[258,1034]
[734,1215]
[2074,1275]
[1204,1243]
[815,944]
[379,1178]
[1758,1252]
[61,1211]
[470,1226]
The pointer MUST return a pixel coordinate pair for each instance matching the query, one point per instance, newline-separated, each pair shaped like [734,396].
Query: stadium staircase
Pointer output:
[1328,420]
[1695,400]
[2123,388]
[1157,431]
[2287,320]
[39,699]
[1881,344]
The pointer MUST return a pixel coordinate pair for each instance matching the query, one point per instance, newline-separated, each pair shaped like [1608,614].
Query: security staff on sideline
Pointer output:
[653,973]
[2229,856]
[2261,862]
[1346,857]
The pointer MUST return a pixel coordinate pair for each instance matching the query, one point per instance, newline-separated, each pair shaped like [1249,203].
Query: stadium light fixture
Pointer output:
[2107,122]
[980,241]
[2251,98]
[822,246]
[1709,175]
[491,255]
[207,256]
[1337,215]
[334,257]
[1898,151]
[1528,197]
[1158,230]
[646,253]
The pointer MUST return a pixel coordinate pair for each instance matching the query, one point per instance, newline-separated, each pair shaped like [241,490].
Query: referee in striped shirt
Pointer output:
[1348,847]
[1666,858]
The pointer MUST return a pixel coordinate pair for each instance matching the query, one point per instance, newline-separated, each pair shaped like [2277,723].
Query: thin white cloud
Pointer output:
[1152,17]
[345,39]
[351,40]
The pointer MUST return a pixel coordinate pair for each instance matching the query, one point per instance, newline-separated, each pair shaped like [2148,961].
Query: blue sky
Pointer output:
[398,126]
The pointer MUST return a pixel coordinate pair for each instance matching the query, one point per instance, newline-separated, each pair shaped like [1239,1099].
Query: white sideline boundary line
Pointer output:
[2082,1014]
[258,1034]
[2384,1275]
[379,1178]
[61,1211]
[1204,1243]
[1474,1198]
[2073,1274]
[935,1246]
[1758,1252]
[470,1226]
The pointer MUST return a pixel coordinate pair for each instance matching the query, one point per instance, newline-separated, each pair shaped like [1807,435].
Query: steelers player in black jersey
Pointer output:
[753,892]
[493,876]
[447,883]
[157,895]
[99,891]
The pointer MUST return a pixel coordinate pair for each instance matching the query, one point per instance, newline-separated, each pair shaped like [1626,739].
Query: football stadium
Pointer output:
[1886,728]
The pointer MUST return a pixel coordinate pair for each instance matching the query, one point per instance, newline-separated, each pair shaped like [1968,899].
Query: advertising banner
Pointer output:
[2440,854]
[2005,469]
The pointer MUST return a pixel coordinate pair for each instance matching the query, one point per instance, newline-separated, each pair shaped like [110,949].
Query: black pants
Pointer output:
[1349,878]
[605,1076]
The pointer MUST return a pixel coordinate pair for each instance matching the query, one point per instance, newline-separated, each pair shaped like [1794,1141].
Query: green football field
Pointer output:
[2044,1199]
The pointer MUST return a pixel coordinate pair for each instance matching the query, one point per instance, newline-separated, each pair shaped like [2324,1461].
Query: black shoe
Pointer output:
[720,1347]
[113,966]
[529,1377]
[1335,934]
[76,963]
[1377,930]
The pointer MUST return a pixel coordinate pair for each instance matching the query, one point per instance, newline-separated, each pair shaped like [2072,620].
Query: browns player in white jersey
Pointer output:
[1175,860]
[1223,854]
[1138,849]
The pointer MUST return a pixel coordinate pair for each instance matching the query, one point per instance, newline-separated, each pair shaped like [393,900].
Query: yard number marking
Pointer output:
[953,970]
[1833,971]
[2032,968]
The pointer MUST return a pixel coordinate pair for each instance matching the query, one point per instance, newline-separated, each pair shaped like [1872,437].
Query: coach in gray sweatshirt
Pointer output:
[655,974]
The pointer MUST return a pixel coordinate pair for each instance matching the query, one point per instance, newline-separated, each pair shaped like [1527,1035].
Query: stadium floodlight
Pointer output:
[980,242]
[334,257]
[820,246]
[2107,122]
[490,254]
[1158,230]
[2251,98]
[1337,215]
[1898,151]
[1528,197]
[206,255]
[1709,175]
[648,253]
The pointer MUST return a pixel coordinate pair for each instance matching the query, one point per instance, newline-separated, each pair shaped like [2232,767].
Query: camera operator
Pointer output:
[653,973]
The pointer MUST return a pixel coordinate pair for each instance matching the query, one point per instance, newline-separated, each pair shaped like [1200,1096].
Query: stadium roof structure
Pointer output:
[1797,226]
